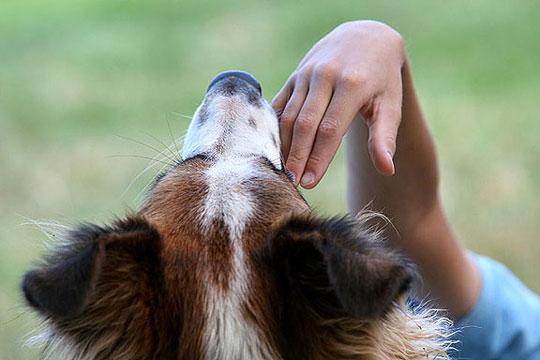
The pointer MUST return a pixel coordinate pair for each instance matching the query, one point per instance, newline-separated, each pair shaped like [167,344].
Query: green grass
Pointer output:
[74,74]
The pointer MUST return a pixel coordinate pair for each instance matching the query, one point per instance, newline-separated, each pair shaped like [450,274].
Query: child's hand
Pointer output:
[361,67]
[355,68]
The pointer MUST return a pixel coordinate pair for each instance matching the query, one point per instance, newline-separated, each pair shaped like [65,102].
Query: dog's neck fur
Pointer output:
[233,204]
[230,201]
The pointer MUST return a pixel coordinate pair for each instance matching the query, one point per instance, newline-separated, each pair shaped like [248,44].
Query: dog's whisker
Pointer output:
[141,173]
[172,137]
[139,196]
[176,156]
[20,311]
[142,157]
[53,231]
[182,115]
[160,152]
[176,142]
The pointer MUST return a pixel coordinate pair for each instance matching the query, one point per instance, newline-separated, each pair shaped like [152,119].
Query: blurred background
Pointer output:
[78,77]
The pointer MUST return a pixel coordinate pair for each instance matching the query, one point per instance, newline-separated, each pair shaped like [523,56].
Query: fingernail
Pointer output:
[308,179]
[389,154]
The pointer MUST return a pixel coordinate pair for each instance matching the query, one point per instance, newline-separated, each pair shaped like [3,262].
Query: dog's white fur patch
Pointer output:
[229,335]
[226,132]
[228,197]
[234,134]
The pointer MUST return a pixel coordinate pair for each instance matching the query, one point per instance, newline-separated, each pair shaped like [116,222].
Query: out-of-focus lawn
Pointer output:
[75,74]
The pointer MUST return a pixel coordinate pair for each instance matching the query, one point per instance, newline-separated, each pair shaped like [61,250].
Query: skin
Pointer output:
[357,81]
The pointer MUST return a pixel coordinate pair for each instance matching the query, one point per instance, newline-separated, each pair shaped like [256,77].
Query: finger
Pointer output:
[280,100]
[305,128]
[334,124]
[290,112]
[383,132]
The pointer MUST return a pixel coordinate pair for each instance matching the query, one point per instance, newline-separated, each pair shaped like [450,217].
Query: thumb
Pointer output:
[383,132]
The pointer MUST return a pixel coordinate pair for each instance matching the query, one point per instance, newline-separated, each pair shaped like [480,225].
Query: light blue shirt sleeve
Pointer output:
[504,324]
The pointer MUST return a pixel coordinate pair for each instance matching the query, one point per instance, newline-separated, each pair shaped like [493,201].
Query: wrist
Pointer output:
[385,34]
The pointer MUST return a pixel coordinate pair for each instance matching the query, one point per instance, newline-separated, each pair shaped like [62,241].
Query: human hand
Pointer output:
[361,68]
[355,68]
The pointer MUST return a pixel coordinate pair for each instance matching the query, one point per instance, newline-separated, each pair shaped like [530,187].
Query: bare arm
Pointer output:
[411,199]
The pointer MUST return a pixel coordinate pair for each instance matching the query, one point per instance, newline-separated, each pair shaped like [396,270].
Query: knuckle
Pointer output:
[390,141]
[326,71]
[352,79]
[316,162]
[286,120]
[304,73]
[382,26]
[399,43]
[393,35]
[295,158]
[394,38]
[398,39]
[379,143]
[292,77]
[305,122]
[393,112]
[329,129]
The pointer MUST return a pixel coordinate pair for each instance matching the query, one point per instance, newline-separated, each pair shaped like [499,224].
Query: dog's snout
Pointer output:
[234,120]
[235,81]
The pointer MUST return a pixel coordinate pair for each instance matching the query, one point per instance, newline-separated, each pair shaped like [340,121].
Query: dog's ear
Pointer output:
[340,256]
[63,286]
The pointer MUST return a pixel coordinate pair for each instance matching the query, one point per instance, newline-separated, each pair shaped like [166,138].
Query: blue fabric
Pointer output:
[504,324]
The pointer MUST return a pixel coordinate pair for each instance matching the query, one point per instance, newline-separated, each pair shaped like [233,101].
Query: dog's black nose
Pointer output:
[234,75]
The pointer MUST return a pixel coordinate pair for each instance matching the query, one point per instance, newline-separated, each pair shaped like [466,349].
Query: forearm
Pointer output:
[449,276]
[410,199]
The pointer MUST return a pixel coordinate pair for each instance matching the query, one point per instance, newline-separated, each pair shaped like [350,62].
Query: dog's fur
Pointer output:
[224,260]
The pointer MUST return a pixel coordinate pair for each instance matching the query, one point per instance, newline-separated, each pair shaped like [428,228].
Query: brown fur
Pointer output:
[224,260]
[318,288]
[144,298]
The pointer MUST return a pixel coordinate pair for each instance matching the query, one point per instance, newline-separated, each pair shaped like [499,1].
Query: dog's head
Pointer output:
[224,260]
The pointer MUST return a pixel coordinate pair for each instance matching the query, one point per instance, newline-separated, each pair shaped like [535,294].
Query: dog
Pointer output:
[225,260]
